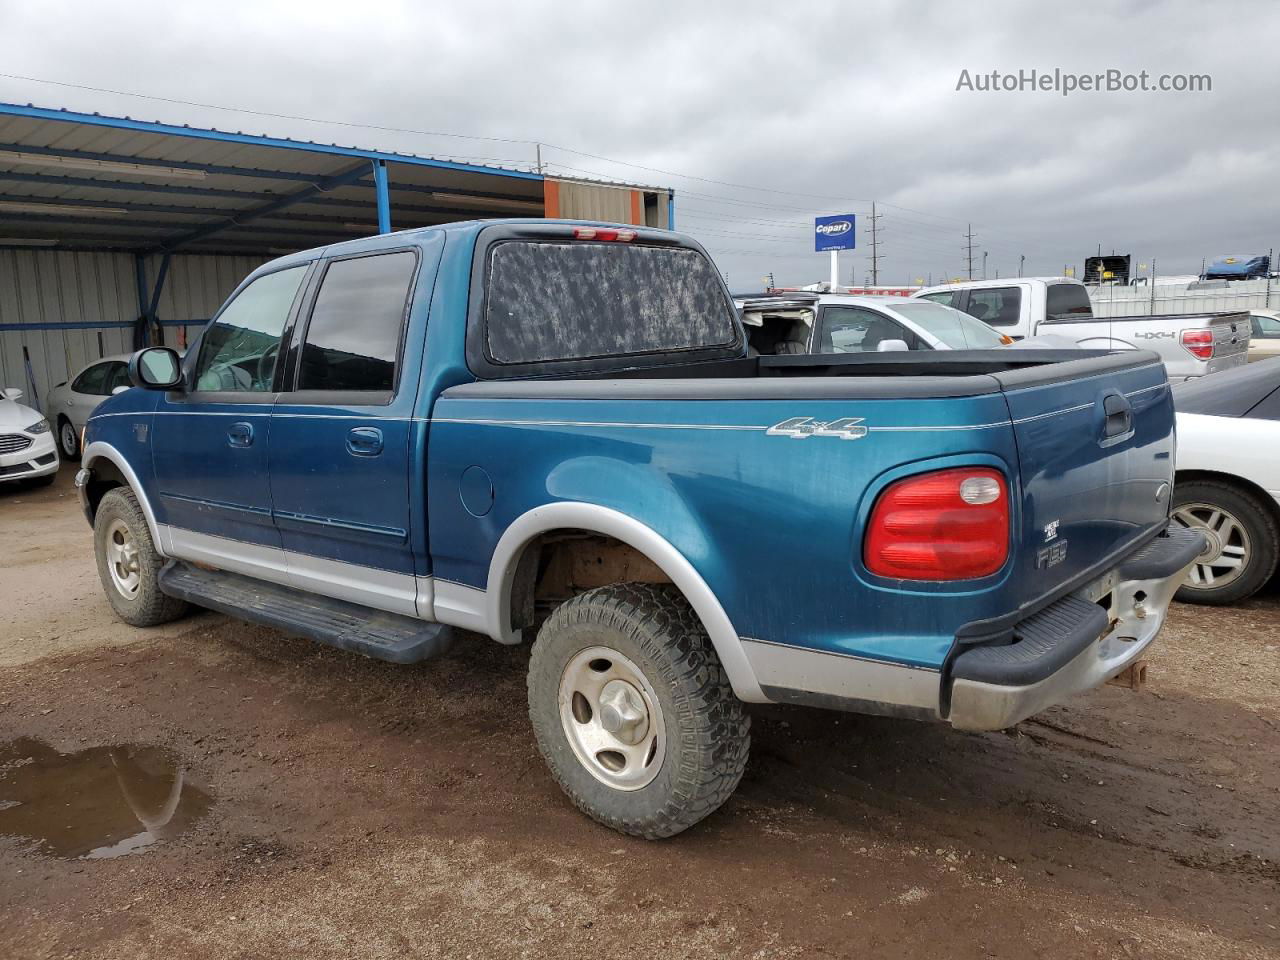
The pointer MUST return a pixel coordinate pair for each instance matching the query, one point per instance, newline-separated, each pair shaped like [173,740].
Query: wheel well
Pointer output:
[106,477]
[560,564]
[1230,479]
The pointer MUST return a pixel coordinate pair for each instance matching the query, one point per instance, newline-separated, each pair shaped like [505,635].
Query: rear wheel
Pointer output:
[633,711]
[128,564]
[1243,541]
[68,440]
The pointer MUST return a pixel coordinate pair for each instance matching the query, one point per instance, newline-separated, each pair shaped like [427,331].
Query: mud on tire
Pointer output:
[147,606]
[706,730]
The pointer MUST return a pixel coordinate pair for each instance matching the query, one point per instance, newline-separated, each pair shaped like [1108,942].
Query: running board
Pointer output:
[349,626]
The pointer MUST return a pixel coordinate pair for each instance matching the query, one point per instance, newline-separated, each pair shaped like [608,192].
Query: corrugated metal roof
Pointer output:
[88,181]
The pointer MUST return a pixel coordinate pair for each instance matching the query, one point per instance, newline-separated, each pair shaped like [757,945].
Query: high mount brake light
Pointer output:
[950,524]
[605,234]
[1199,343]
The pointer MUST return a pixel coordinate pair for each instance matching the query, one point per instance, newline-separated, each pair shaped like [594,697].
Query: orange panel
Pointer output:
[551,198]
[637,216]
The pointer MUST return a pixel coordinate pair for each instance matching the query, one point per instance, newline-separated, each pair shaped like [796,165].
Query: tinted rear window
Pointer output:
[353,339]
[1067,301]
[570,301]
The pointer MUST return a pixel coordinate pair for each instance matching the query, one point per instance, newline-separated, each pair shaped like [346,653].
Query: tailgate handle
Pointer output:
[1119,416]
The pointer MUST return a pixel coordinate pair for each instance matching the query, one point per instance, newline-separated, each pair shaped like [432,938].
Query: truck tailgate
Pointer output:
[1231,334]
[1095,455]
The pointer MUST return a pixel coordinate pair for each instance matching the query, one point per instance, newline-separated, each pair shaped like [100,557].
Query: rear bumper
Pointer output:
[1074,644]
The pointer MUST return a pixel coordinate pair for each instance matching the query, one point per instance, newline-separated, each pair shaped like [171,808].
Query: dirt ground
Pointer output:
[361,809]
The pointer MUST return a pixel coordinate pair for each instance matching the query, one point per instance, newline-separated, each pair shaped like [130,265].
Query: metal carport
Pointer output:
[113,230]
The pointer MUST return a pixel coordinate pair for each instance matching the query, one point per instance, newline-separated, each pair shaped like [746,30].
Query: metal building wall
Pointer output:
[575,200]
[1138,301]
[70,308]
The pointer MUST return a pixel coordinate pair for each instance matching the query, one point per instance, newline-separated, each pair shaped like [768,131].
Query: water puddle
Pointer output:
[96,803]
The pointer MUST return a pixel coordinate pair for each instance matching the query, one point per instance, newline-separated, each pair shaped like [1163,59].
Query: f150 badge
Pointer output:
[1053,554]
[798,428]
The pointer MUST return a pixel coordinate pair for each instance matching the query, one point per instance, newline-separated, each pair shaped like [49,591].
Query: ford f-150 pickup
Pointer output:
[552,431]
[1059,308]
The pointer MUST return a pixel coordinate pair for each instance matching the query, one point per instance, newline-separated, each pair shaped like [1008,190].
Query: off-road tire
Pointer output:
[707,731]
[149,607]
[1258,521]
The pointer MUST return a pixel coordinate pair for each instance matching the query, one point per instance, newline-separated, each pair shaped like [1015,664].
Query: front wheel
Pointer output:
[68,440]
[128,563]
[1243,541]
[633,712]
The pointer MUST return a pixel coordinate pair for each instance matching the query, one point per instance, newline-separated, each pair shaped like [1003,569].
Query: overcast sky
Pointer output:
[759,115]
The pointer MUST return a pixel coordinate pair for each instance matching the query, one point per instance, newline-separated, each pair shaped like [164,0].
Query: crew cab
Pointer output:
[797,323]
[552,430]
[1190,345]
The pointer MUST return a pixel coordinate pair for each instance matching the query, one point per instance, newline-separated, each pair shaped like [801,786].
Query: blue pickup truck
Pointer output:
[552,431]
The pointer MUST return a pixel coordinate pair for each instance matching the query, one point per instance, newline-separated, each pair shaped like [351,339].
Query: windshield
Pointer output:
[957,330]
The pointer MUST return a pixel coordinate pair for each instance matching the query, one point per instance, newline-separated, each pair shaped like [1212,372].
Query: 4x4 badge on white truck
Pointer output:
[798,428]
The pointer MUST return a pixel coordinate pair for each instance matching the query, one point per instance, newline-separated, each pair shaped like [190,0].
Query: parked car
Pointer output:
[553,428]
[801,323]
[1191,345]
[1228,480]
[1265,340]
[27,450]
[70,404]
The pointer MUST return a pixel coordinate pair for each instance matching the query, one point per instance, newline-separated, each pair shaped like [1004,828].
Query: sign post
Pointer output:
[834,233]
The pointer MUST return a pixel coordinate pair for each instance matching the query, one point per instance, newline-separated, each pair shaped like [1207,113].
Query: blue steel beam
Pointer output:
[198,133]
[240,218]
[383,197]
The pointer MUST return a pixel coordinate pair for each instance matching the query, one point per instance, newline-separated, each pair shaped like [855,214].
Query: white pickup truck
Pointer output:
[1191,345]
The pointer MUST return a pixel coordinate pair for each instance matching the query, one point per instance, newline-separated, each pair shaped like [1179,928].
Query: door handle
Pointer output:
[240,435]
[364,441]
[1118,416]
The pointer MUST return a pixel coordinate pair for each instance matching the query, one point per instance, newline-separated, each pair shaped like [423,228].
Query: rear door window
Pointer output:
[546,301]
[1067,301]
[1265,326]
[352,342]
[997,306]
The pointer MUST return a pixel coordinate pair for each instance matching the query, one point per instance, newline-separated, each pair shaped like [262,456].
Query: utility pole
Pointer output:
[1021,260]
[969,256]
[538,147]
[984,264]
[875,246]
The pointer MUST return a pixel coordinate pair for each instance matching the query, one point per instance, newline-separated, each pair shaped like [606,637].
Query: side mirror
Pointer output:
[155,368]
[887,346]
[11,393]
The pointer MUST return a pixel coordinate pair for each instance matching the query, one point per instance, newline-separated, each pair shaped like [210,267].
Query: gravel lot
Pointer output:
[360,809]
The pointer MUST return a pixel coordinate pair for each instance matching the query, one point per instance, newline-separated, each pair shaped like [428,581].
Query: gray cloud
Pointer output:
[831,105]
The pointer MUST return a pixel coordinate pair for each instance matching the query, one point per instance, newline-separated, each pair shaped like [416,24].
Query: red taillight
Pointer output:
[948,525]
[1198,343]
[606,234]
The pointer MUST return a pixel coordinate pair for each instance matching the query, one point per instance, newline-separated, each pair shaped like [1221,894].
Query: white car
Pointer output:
[1227,483]
[803,323]
[27,450]
[70,405]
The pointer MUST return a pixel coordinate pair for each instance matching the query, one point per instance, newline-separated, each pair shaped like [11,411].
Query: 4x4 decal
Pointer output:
[798,428]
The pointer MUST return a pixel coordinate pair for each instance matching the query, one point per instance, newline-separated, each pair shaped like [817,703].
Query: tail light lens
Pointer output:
[948,525]
[1199,343]
[605,234]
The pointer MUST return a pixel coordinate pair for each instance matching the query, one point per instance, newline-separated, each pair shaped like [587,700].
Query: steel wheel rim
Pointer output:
[1227,556]
[68,439]
[122,559]
[612,719]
